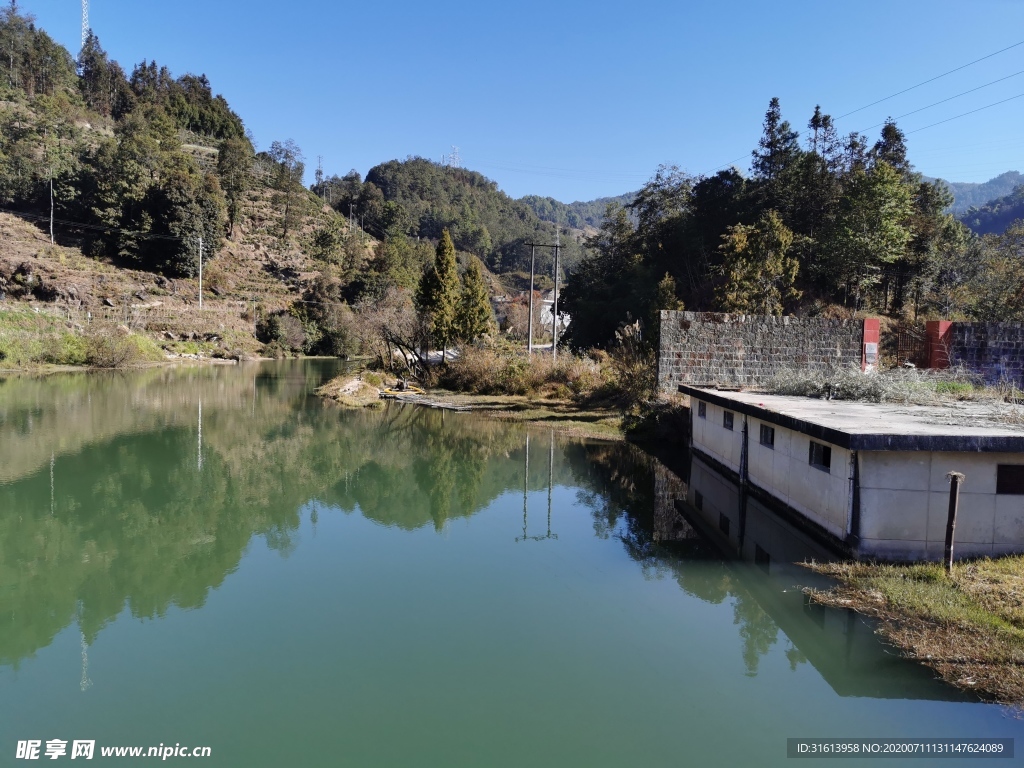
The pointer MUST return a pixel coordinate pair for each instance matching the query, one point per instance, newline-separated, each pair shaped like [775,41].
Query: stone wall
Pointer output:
[702,348]
[993,350]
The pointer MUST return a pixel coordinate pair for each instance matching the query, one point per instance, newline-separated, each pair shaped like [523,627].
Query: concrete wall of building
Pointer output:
[994,350]
[904,503]
[711,437]
[785,472]
[710,348]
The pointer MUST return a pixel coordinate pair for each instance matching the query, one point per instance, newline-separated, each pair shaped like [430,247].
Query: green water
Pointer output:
[213,557]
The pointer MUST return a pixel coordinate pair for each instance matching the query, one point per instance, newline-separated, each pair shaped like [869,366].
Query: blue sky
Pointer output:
[579,100]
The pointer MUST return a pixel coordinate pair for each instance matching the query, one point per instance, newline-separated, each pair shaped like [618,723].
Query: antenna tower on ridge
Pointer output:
[85,21]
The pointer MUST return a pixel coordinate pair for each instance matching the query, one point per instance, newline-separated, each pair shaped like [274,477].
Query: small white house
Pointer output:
[871,478]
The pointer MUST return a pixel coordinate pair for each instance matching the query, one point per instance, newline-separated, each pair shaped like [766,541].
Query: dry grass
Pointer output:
[352,392]
[907,386]
[968,626]
[487,371]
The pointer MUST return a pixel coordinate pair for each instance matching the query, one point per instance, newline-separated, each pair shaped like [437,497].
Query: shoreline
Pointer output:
[563,415]
[968,627]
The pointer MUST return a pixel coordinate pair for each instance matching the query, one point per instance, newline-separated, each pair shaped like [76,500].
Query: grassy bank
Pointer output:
[31,340]
[967,626]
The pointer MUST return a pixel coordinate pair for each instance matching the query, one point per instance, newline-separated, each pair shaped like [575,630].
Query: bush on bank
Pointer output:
[29,339]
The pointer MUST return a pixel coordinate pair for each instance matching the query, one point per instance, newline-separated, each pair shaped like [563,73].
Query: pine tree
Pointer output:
[438,294]
[474,317]
[892,148]
[775,162]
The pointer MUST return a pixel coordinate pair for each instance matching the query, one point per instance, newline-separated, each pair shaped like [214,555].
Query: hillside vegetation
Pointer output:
[110,180]
[831,225]
[417,198]
[996,216]
[579,215]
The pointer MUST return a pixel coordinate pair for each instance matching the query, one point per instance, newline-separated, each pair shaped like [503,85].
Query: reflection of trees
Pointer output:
[757,629]
[136,524]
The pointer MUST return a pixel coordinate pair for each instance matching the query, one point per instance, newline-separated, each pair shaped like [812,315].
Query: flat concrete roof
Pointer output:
[957,426]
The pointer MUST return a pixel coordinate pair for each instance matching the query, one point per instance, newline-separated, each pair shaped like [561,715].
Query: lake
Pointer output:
[211,556]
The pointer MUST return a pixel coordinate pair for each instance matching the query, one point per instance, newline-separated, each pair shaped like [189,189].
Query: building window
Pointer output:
[702,410]
[1010,479]
[727,420]
[767,436]
[820,456]
[723,523]
[698,501]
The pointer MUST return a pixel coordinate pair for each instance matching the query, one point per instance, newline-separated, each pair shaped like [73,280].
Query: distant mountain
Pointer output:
[578,215]
[996,215]
[969,195]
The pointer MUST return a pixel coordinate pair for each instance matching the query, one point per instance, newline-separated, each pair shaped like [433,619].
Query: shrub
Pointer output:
[65,349]
[283,328]
[119,350]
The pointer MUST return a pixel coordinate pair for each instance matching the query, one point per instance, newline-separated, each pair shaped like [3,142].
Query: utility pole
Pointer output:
[533,263]
[200,273]
[533,258]
[554,307]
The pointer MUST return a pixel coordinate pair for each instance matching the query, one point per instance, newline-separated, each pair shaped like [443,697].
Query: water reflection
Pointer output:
[144,491]
[761,574]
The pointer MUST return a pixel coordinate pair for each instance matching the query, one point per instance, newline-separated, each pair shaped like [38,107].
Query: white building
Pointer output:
[870,478]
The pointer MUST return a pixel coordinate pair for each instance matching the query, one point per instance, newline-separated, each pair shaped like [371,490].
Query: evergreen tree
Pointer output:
[234,165]
[759,272]
[474,317]
[102,82]
[775,160]
[438,294]
[891,148]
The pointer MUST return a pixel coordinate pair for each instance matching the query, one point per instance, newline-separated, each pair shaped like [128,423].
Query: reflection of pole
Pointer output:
[86,682]
[526,480]
[200,459]
[51,483]
[551,477]
[533,263]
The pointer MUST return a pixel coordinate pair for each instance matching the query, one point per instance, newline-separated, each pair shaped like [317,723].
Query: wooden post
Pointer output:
[955,478]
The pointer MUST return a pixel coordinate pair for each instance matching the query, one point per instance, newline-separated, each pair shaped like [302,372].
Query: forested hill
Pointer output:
[996,216]
[967,195]
[419,198]
[578,215]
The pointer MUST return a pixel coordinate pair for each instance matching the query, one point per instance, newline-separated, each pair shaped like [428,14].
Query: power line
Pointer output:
[907,90]
[963,93]
[94,227]
[930,80]
[965,114]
